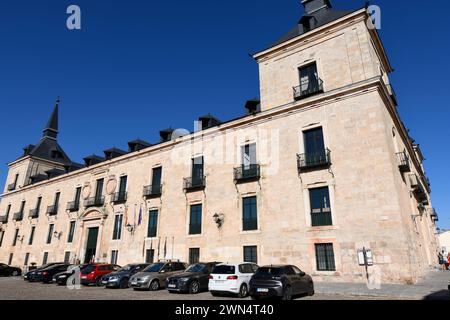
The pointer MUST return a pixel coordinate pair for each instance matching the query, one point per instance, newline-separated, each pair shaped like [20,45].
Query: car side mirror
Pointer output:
[302,274]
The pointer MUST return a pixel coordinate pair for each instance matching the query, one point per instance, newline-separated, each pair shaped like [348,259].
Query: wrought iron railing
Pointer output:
[194,183]
[247,172]
[308,161]
[11,187]
[73,206]
[94,202]
[18,216]
[313,87]
[250,224]
[34,213]
[322,218]
[119,197]
[403,162]
[52,210]
[195,228]
[152,191]
[4,219]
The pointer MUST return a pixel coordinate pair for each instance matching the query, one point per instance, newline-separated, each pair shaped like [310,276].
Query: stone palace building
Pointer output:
[320,172]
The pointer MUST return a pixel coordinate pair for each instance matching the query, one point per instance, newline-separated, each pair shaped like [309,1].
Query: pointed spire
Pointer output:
[51,130]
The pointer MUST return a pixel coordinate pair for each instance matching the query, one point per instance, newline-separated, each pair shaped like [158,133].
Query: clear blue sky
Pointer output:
[140,66]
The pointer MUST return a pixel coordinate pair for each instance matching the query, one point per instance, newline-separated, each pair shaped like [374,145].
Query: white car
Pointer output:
[231,278]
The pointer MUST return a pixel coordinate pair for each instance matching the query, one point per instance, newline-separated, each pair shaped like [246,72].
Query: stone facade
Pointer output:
[373,203]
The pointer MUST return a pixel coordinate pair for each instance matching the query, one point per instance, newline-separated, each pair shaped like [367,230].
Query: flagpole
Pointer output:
[173,243]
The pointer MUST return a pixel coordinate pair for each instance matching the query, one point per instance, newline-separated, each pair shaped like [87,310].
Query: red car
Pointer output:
[93,273]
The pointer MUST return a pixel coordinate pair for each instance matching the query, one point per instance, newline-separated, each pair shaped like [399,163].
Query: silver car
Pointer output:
[154,276]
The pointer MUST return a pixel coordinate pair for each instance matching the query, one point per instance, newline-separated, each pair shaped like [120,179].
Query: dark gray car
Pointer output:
[154,276]
[280,281]
[120,278]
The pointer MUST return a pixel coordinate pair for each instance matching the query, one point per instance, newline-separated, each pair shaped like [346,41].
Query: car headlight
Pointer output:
[114,278]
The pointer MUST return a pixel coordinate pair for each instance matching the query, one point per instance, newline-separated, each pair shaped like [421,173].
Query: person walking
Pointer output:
[441,261]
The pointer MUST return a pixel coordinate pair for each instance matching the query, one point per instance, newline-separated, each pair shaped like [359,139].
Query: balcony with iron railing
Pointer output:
[4,219]
[34,213]
[403,162]
[18,216]
[73,206]
[322,217]
[52,210]
[303,91]
[312,161]
[11,187]
[247,173]
[119,197]
[152,191]
[94,202]
[194,183]
[433,214]
[417,189]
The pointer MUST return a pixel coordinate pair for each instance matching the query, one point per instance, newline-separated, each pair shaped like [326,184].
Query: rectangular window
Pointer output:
[156,177]
[38,206]
[71,232]
[195,224]
[251,254]
[197,171]
[194,255]
[16,235]
[325,257]
[320,207]
[117,232]
[31,239]
[114,256]
[45,258]
[67,257]
[50,233]
[123,187]
[99,188]
[11,255]
[152,224]
[249,154]
[249,214]
[56,203]
[313,141]
[309,80]
[2,234]
[22,207]
[8,211]
[149,256]
[27,257]
[77,196]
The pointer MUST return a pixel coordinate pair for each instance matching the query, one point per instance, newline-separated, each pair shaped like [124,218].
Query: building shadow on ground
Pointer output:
[438,295]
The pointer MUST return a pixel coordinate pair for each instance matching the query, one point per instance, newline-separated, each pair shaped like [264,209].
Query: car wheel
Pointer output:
[15,273]
[123,283]
[154,285]
[287,295]
[194,287]
[98,282]
[243,291]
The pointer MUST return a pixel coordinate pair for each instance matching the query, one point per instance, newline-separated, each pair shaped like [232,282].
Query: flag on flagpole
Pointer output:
[140,215]
[159,242]
[126,215]
[134,222]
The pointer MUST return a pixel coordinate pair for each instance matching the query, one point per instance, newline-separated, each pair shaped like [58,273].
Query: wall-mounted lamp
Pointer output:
[130,228]
[219,219]
[20,238]
[57,234]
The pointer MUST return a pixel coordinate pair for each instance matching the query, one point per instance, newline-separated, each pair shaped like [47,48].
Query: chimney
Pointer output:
[312,6]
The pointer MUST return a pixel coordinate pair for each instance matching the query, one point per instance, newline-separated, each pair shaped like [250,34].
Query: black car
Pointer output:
[46,275]
[62,277]
[120,278]
[32,276]
[8,271]
[193,280]
[280,281]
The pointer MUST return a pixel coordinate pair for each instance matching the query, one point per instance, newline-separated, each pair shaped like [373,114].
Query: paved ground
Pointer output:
[18,289]
[433,286]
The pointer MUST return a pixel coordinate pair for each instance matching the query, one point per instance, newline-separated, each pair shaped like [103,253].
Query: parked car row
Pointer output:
[8,271]
[241,279]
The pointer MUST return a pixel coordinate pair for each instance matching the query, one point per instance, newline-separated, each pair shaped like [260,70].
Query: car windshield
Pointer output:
[271,271]
[156,267]
[128,267]
[88,269]
[198,267]
[223,269]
